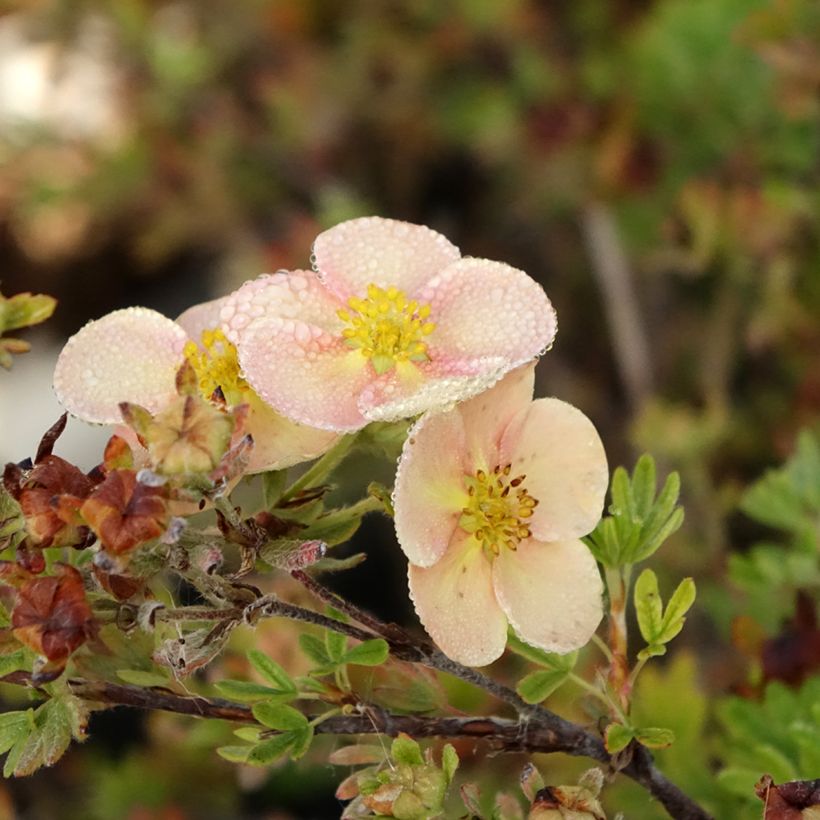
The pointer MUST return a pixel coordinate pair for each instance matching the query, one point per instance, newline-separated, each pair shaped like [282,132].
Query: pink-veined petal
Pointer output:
[287,295]
[410,389]
[279,442]
[455,601]
[385,252]
[558,449]
[204,316]
[429,492]
[304,373]
[550,592]
[128,355]
[487,415]
[484,308]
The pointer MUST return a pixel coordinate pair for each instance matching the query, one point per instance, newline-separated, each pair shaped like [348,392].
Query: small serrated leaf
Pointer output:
[674,615]
[245,691]
[655,738]
[368,653]
[617,737]
[405,750]
[648,606]
[234,754]
[314,648]
[336,645]
[449,762]
[271,671]
[279,716]
[140,677]
[538,686]
[268,751]
[301,742]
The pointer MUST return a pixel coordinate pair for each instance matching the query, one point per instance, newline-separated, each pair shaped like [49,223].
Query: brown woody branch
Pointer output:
[501,734]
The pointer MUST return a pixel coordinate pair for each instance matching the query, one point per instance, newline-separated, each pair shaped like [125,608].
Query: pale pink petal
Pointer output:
[304,373]
[484,308]
[558,449]
[128,355]
[204,316]
[279,442]
[456,603]
[288,295]
[385,252]
[429,492]
[410,389]
[551,593]
[487,415]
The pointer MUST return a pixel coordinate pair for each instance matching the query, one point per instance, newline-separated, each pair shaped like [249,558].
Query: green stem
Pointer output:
[617,582]
[321,469]
[593,690]
[601,644]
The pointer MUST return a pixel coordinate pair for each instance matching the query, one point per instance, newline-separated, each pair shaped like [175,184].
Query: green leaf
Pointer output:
[25,309]
[336,645]
[538,686]
[334,527]
[249,733]
[552,660]
[655,738]
[654,650]
[638,523]
[368,653]
[617,737]
[140,677]
[273,485]
[314,648]
[13,662]
[328,564]
[14,726]
[648,606]
[674,615]
[234,754]
[449,762]
[271,671]
[301,742]
[405,750]
[268,751]
[279,716]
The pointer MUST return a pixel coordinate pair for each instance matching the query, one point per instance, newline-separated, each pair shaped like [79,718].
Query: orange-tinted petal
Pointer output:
[456,603]
[558,449]
[551,593]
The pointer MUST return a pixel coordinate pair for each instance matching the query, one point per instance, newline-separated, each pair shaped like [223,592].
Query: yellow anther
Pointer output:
[386,328]
[497,510]
[216,366]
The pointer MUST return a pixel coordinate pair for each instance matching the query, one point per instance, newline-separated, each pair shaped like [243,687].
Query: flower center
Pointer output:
[216,366]
[387,327]
[498,509]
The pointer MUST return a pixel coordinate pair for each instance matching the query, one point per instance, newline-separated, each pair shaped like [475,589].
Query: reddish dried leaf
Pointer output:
[52,615]
[797,800]
[121,585]
[117,455]
[124,513]
[50,437]
[794,654]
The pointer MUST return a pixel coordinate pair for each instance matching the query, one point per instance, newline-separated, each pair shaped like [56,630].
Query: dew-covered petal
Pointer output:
[429,492]
[487,415]
[204,316]
[484,308]
[304,373]
[455,601]
[385,252]
[279,442]
[551,593]
[128,355]
[409,389]
[558,449]
[288,295]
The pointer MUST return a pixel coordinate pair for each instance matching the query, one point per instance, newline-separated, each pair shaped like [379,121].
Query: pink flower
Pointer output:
[133,355]
[392,323]
[491,499]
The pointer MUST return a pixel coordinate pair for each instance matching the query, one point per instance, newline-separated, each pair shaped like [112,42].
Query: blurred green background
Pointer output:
[654,163]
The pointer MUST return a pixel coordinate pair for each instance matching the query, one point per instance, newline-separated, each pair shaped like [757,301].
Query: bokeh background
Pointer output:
[654,163]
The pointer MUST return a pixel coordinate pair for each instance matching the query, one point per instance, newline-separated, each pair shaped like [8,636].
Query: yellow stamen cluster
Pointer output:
[216,366]
[387,327]
[498,509]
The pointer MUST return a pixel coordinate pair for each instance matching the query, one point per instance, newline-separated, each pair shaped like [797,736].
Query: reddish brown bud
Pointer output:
[52,615]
